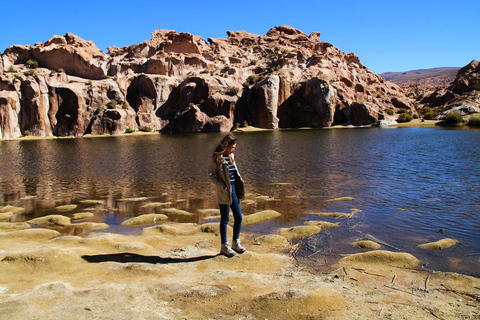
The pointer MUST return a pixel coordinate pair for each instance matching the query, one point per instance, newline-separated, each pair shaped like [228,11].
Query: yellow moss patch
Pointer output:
[247,201]
[92,202]
[259,217]
[439,245]
[153,205]
[336,215]
[271,239]
[209,211]
[51,220]
[173,229]
[262,198]
[384,257]
[35,234]
[145,219]
[90,226]
[10,226]
[340,199]
[12,209]
[178,212]
[322,224]
[299,231]
[367,245]
[66,208]
[6,216]
[278,184]
[83,215]
[211,228]
[139,199]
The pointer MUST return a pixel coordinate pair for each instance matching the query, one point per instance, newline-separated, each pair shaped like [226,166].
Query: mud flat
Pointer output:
[173,271]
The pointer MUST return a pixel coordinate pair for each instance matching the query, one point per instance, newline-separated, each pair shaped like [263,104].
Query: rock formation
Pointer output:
[461,95]
[177,82]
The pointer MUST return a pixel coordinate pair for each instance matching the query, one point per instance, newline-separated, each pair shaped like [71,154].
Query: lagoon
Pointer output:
[407,186]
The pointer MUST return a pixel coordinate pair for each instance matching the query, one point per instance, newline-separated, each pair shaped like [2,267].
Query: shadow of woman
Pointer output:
[133,257]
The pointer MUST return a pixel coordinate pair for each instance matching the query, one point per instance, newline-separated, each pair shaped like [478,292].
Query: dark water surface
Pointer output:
[411,186]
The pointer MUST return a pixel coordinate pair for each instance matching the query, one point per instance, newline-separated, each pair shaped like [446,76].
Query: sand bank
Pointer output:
[173,271]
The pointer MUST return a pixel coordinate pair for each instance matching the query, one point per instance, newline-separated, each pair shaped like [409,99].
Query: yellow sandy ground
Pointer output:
[167,274]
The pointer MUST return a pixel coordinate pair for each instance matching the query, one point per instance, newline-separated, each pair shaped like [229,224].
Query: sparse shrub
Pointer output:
[232,91]
[405,117]
[11,69]
[253,62]
[32,63]
[254,79]
[30,72]
[453,118]
[129,130]
[389,111]
[428,113]
[61,70]
[379,96]
[474,121]
[112,104]
[145,129]
[27,133]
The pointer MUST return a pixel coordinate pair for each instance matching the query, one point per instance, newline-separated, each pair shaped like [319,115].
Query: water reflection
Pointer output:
[408,183]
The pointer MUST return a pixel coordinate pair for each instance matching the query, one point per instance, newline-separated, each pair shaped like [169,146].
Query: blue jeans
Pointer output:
[225,217]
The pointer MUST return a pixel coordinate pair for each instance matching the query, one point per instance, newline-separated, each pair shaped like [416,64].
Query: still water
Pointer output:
[411,185]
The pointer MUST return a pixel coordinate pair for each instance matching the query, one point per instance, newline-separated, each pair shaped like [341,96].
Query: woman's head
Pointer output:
[225,147]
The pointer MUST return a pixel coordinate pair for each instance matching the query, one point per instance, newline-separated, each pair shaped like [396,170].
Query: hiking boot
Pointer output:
[238,247]
[226,250]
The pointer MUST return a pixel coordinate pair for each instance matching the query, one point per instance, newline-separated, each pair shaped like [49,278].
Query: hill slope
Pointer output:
[434,77]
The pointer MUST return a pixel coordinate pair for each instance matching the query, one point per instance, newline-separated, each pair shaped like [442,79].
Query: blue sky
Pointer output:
[387,35]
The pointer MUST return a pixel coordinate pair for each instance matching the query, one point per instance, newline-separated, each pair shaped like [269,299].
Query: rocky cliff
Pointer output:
[461,95]
[177,82]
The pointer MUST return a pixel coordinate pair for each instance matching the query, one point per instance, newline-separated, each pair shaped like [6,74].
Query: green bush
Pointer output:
[30,72]
[129,130]
[405,117]
[453,118]
[428,113]
[389,111]
[253,62]
[474,121]
[232,91]
[145,129]
[27,133]
[32,63]
[254,79]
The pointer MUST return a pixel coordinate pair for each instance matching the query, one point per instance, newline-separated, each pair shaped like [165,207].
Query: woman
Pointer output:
[229,190]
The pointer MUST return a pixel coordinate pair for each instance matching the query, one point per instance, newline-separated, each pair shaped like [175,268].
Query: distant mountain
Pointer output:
[435,77]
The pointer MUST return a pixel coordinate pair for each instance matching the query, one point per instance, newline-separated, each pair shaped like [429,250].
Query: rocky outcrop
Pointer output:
[177,82]
[460,96]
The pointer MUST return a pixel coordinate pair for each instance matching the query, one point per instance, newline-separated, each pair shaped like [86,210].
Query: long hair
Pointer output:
[217,155]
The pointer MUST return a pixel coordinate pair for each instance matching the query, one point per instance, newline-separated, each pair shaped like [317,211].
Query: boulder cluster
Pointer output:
[178,82]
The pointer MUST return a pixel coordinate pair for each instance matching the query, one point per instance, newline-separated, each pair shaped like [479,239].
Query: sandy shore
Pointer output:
[173,271]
